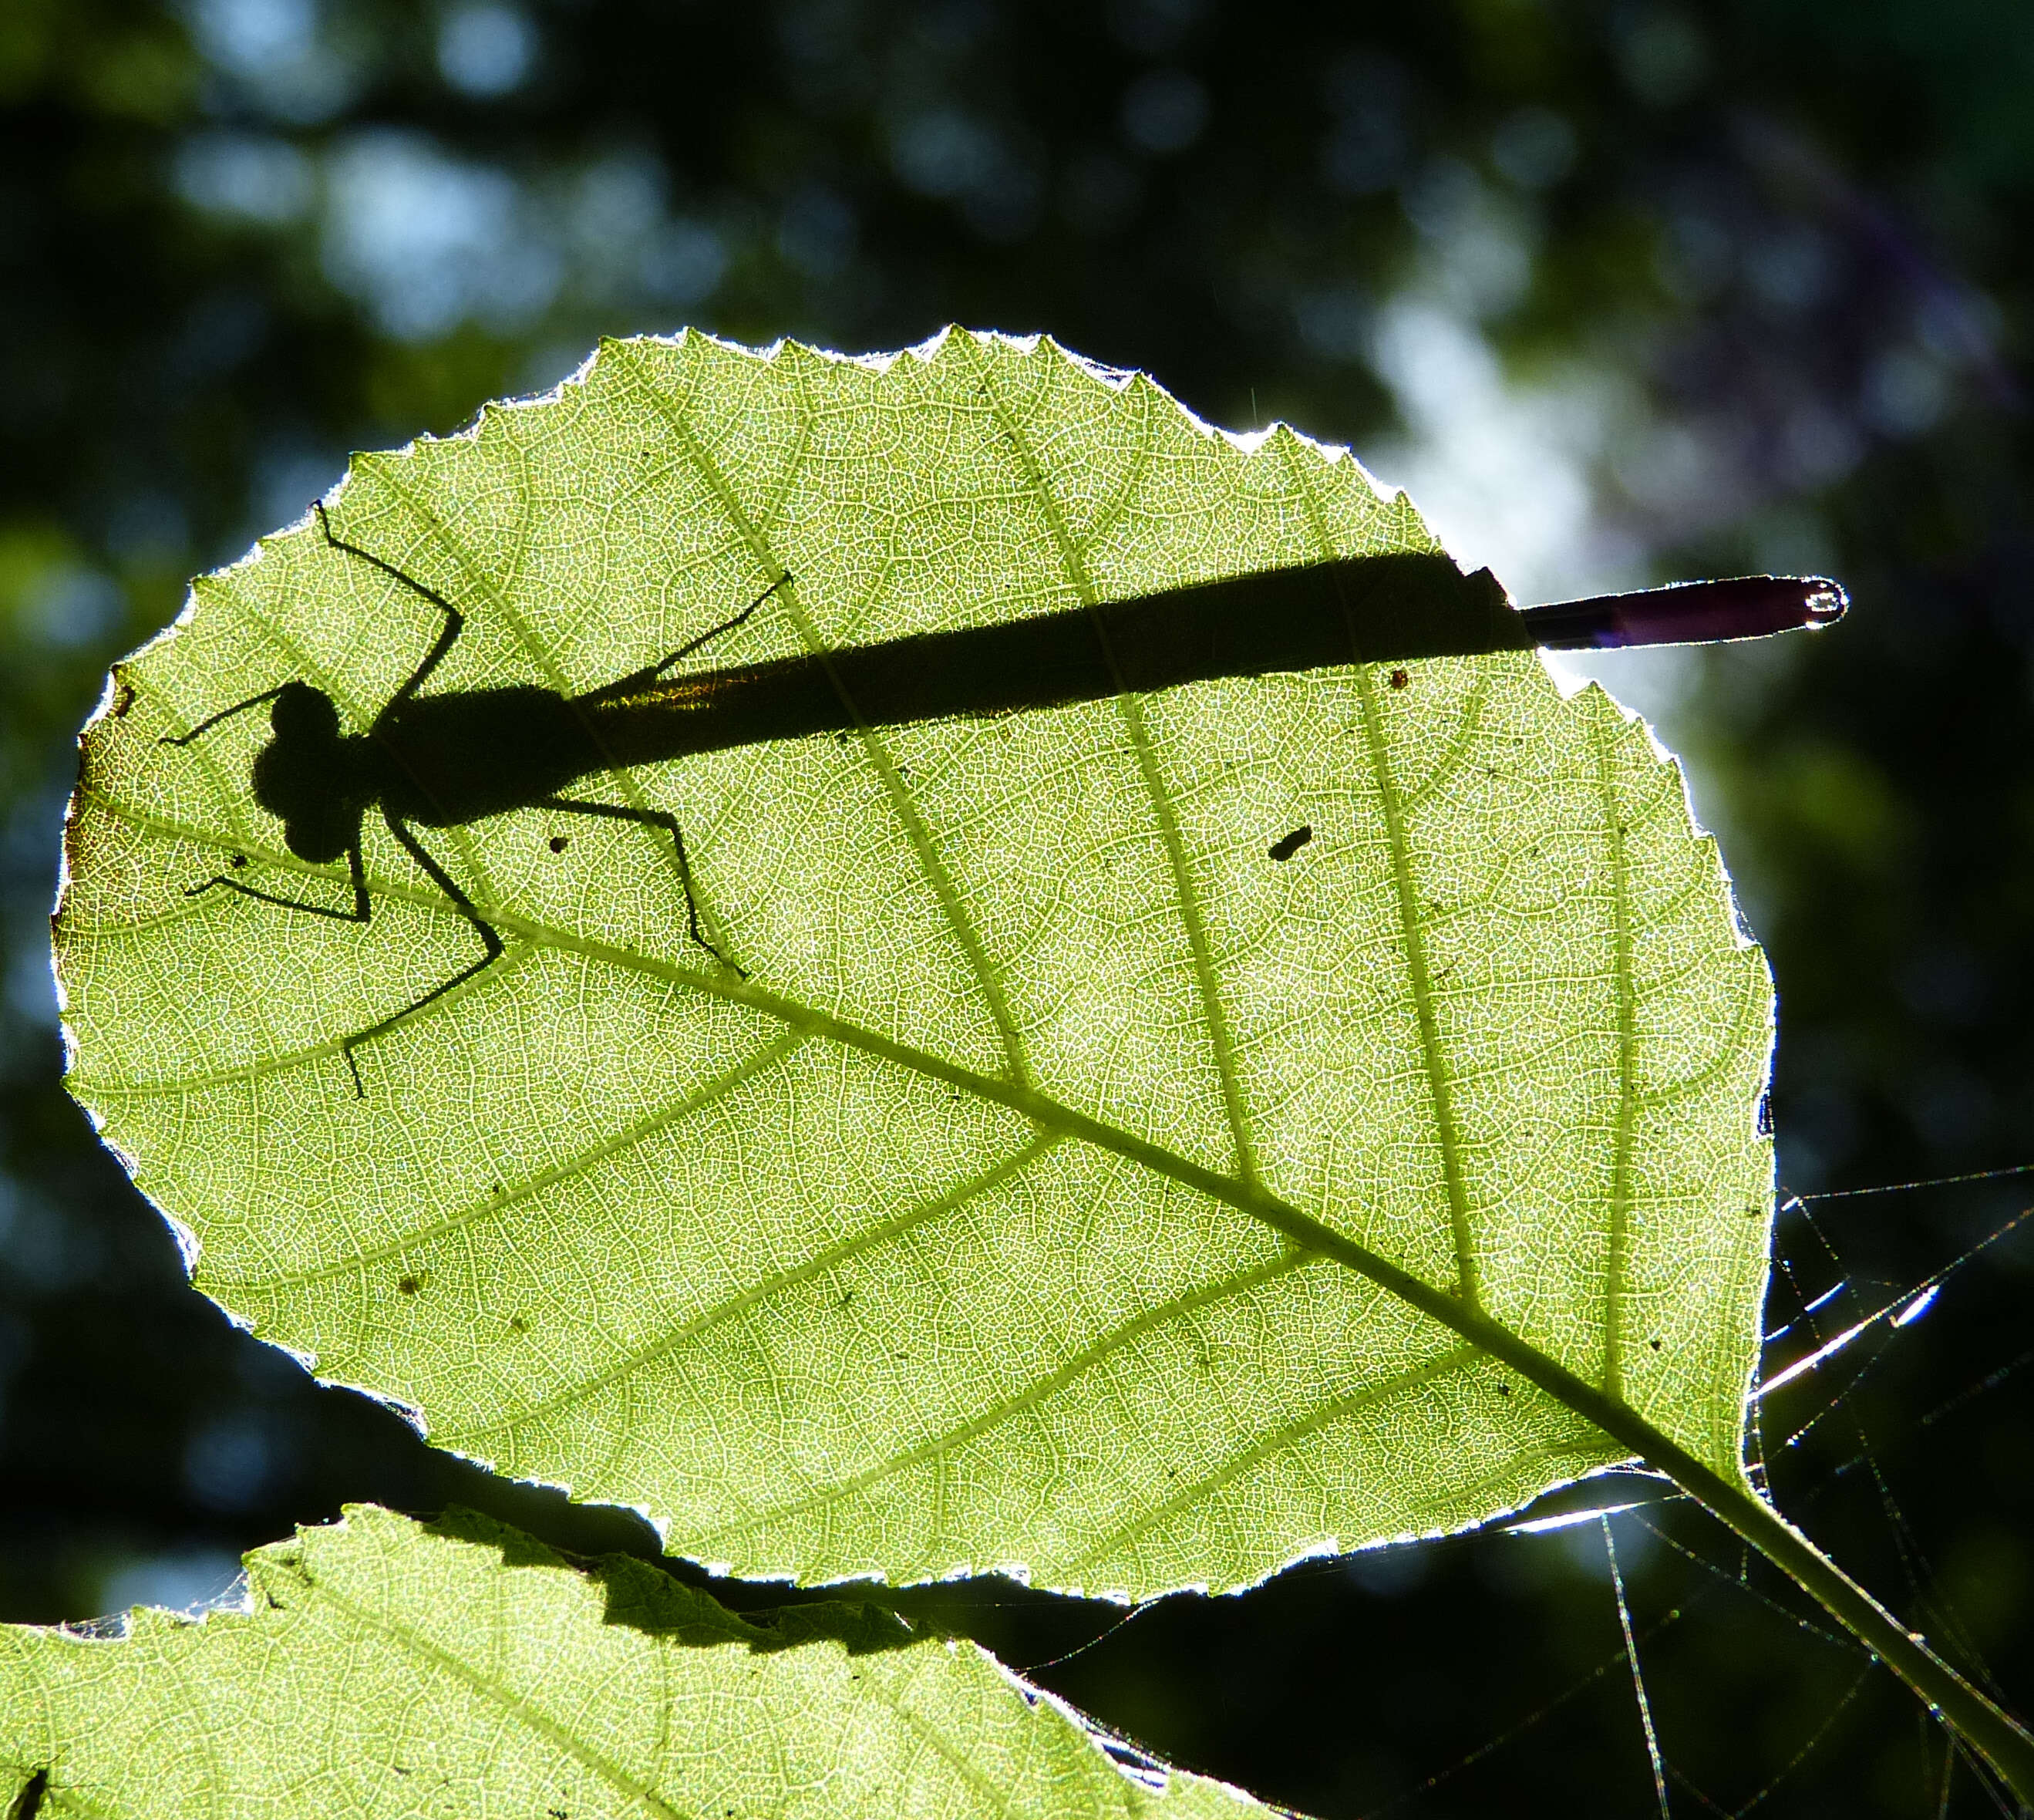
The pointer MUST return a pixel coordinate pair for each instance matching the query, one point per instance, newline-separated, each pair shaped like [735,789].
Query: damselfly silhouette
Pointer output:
[443,760]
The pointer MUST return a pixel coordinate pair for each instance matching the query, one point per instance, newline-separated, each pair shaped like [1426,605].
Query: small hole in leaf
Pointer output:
[559,842]
[1654,1345]
[1282,850]
[239,860]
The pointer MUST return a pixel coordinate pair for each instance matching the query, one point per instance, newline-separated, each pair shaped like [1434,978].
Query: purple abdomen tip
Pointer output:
[1689,613]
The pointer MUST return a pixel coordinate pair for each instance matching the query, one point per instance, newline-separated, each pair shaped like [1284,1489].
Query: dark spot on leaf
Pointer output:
[518,1325]
[1282,850]
[408,1285]
[1399,679]
[239,860]
[1654,1345]
[1504,1390]
[559,842]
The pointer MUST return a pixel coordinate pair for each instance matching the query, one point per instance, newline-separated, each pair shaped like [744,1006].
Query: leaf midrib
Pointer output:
[504,1698]
[1614,1416]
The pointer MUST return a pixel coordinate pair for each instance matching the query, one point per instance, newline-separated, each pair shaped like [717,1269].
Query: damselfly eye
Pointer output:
[303,713]
[319,837]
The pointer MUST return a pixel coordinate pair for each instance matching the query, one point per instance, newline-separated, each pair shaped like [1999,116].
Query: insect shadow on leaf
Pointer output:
[444,760]
[436,761]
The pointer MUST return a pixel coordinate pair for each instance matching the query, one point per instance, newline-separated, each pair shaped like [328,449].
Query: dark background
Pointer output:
[1622,292]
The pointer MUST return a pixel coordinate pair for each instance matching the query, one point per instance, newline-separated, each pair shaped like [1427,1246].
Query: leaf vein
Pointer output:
[1617,1265]
[857,1245]
[1433,1061]
[1416,1377]
[511,1704]
[1031,1397]
[1038,494]
[916,834]
[714,1091]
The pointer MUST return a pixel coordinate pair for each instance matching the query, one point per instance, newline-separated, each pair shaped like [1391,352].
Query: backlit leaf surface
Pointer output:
[928,1247]
[382,1668]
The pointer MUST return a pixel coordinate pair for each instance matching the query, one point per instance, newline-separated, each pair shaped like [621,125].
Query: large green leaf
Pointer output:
[1070,1186]
[382,1668]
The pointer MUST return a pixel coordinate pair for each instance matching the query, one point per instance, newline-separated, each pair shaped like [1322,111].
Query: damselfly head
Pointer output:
[295,774]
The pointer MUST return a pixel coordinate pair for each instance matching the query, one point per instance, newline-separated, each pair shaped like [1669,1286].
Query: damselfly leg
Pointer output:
[490,938]
[653,818]
[640,679]
[620,690]
[361,913]
[455,620]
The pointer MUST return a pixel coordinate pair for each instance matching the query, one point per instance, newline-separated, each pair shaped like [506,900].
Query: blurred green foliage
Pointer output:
[1623,291]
